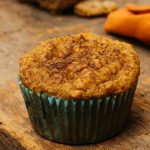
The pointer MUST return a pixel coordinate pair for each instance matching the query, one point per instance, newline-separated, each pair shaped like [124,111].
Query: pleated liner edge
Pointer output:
[77,121]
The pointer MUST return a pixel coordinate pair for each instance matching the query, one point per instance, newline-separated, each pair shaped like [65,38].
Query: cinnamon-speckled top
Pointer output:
[80,66]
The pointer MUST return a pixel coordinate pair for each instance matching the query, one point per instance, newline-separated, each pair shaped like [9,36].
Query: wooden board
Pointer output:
[21,28]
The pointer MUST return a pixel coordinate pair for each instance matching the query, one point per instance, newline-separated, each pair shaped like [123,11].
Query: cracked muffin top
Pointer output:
[80,66]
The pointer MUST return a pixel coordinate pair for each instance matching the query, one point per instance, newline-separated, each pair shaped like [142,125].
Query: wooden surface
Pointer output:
[21,28]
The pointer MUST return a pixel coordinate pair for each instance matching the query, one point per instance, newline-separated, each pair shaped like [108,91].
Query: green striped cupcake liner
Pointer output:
[77,121]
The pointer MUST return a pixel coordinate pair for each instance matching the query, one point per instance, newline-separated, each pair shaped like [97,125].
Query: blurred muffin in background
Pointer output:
[55,6]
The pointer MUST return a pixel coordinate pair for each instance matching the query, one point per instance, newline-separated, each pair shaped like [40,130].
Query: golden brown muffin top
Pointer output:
[80,66]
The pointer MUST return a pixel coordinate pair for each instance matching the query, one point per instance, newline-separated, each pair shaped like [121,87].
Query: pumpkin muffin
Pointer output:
[79,88]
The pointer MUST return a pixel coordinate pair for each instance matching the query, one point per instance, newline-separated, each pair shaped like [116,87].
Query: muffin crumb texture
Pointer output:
[80,66]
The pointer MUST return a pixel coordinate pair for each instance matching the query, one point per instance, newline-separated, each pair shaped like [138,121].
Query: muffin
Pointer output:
[54,6]
[79,89]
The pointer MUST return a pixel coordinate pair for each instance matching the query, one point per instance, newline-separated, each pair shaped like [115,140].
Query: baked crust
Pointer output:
[80,66]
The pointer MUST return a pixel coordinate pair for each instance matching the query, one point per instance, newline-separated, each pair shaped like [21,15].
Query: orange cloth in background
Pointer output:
[132,21]
[138,9]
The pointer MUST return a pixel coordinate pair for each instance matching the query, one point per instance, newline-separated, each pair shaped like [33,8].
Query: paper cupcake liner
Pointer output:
[78,121]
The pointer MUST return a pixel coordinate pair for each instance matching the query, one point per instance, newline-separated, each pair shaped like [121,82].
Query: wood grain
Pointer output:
[8,142]
[21,28]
